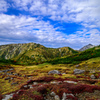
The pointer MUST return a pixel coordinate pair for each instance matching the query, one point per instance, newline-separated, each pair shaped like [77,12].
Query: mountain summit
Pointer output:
[86,47]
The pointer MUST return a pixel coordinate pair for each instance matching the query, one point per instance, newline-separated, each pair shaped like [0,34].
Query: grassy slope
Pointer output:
[79,57]
[32,53]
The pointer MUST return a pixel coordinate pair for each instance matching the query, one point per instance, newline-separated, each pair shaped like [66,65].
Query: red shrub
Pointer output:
[59,79]
[37,97]
[61,91]
[48,79]
[79,76]
[20,92]
[60,74]
[45,79]
[77,89]
[1,97]
[71,97]
[23,87]
[42,89]
[15,97]
[30,81]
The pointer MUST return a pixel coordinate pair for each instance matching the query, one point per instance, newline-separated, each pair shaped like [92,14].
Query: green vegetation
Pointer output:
[31,53]
[79,57]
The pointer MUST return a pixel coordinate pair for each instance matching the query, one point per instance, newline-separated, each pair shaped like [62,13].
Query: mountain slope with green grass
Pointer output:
[32,53]
[78,57]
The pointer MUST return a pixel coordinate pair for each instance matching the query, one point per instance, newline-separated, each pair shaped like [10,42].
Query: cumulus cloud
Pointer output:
[33,29]
[86,11]
[27,28]
[3,6]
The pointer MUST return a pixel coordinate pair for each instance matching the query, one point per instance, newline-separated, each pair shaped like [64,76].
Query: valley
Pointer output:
[73,75]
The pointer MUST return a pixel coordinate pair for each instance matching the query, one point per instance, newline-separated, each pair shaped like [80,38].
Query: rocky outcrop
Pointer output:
[86,47]
[78,71]
[54,72]
[92,77]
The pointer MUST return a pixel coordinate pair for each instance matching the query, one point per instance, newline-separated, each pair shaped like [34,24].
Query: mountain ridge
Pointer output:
[32,52]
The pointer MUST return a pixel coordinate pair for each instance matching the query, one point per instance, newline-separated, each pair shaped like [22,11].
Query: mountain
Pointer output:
[78,57]
[32,53]
[87,47]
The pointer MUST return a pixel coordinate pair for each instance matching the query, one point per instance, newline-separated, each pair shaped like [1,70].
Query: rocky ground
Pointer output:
[49,82]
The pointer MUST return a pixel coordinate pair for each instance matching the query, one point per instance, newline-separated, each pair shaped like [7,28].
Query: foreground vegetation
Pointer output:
[27,75]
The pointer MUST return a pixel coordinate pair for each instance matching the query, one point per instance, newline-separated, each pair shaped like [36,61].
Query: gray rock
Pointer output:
[11,69]
[56,97]
[93,77]
[12,78]
[30,86]
[52,94]
[14,83]
[7,78]
[9,74]
[25,86]
[71,82]
[54,72]
[63,73]
[64,96]
[78,71]
[87,47]
[69,94]
[54,82]
[0,71]
[7,97]
[35,83]
[4,70]
[77,65]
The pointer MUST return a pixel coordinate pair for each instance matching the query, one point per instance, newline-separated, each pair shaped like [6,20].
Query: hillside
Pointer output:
[32,53]
[78,57]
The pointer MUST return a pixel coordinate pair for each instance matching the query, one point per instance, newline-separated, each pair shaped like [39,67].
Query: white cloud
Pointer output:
[26,28]
[86,11]
[29,29]
[3,6]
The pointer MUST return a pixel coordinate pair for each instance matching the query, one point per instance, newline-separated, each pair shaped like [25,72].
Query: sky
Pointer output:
[52,23]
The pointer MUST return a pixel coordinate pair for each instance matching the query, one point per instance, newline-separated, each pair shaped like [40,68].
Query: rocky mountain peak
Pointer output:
[86,47]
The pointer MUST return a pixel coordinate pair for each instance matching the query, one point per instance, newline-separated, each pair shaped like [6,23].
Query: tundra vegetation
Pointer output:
[71,76]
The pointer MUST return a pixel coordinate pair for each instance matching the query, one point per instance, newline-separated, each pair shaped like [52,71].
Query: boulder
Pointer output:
[78,71]
[64,96]
[54,72]
[14,83]
[35,83]
[52,94]
[77,65]
[8,96]
[92,77]
[57,97]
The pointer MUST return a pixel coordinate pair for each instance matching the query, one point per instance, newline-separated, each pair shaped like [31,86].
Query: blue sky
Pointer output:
[52,23]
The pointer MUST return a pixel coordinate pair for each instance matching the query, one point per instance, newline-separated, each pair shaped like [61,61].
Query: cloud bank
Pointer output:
[36,22]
